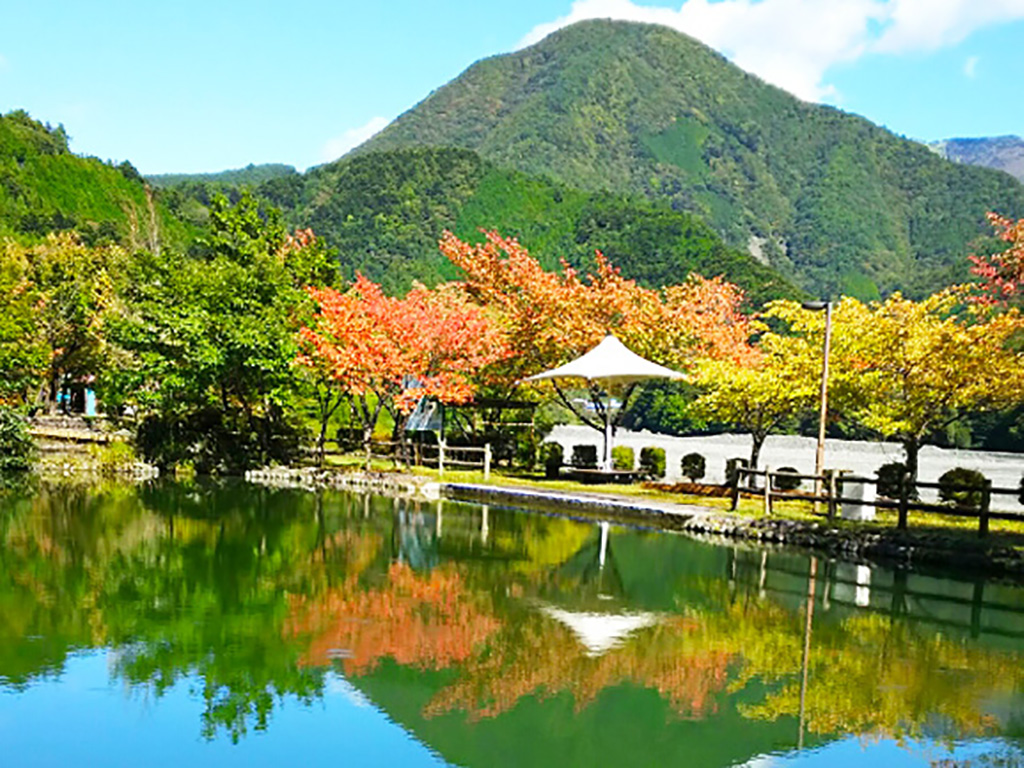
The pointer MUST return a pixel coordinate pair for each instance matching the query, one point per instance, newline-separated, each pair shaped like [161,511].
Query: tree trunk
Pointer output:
[756,441]
[911,447]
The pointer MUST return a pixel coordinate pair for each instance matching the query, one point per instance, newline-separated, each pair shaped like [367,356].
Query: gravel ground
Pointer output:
[861,457]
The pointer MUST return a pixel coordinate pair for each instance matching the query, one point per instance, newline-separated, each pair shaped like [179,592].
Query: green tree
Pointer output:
[209,339]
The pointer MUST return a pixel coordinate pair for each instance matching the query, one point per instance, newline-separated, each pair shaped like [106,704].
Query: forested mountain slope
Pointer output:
[45,188]
[835,202]
[384,212]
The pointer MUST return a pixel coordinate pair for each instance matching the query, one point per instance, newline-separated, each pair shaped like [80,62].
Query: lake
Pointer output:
[224,624]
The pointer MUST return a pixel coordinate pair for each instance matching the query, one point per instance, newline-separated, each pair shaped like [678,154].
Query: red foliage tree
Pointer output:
[387,352]
[1002,273]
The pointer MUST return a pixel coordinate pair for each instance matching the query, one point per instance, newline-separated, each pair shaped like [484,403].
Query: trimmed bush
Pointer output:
[623,458]
[971,481]
[786,482]
[16,446]
[584,456]
[693,466]
[889,476]
[554,456]
[652,461]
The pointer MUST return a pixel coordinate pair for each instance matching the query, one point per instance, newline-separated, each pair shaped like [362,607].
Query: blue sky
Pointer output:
[203,86]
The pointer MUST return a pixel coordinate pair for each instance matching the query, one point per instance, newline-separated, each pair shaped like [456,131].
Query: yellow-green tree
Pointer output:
[23,353]
[760,396]
[907,369]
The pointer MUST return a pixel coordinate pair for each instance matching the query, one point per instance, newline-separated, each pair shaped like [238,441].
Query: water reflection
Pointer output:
[499,637]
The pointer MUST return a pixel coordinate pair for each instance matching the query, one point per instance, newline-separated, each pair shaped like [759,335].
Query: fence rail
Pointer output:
[832,485]
[439,455]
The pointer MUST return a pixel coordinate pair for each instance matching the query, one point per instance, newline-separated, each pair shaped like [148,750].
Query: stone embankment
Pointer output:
[310,478]
[74,445]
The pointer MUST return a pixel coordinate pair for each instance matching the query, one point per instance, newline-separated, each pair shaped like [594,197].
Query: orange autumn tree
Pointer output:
[555,316]
[386,352]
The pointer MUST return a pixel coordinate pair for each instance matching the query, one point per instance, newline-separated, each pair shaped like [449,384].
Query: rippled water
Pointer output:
[225,624]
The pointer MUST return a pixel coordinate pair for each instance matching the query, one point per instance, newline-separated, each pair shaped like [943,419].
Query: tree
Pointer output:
[208,339]
[387,353]
[1002,273]
[907,369]
[761,396]
[23,352]
[56,296]
[553,317]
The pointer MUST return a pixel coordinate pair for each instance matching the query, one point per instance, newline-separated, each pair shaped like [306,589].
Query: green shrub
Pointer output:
[623,458]
[652,461]
[114,458]
[584,456]
[693,466]
[889,478]
[17,449]
[962,486]
[786,482]
[554,456]
[217,443]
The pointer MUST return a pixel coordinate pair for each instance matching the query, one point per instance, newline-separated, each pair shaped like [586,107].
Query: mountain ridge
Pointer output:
[835,202]
[1003,153]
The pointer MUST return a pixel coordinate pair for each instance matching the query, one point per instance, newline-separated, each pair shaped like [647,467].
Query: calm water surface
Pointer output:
[207,624]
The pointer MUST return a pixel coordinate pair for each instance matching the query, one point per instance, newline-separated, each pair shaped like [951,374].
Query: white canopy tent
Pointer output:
[610,365]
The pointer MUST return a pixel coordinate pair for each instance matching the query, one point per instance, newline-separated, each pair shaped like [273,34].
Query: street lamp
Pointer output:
[819,459]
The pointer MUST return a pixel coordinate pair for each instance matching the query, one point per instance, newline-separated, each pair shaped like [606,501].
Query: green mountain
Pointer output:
[833,201]
[385,211]
[251,175]
[45,188]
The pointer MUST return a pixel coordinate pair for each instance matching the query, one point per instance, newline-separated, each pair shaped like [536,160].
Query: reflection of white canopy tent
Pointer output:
[609,364]
[600,632]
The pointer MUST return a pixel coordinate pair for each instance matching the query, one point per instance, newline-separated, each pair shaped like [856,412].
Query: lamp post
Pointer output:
[819,459]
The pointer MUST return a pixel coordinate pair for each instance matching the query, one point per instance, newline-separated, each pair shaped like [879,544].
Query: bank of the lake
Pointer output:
[958,549]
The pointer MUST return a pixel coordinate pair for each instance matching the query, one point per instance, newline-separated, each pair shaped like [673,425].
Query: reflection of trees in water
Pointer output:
[254,595]
[428,620]
[542,657]
[188,584]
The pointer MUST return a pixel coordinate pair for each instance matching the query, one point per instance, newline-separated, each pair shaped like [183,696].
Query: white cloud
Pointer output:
[971,66]
[339,145]
[793,43]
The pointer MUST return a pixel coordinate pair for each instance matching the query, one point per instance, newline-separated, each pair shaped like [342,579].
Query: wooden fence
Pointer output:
[830,492]
[440,455]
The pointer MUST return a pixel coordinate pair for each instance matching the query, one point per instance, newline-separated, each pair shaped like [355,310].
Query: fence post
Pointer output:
[832,494]
[440,458]
[767,491]
[904,501]
[487,462]
[986,504]
[736,488]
